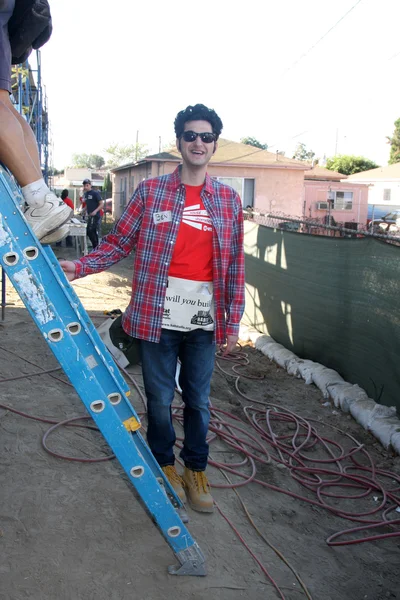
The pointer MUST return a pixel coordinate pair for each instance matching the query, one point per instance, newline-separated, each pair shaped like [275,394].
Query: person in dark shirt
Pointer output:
[94,204]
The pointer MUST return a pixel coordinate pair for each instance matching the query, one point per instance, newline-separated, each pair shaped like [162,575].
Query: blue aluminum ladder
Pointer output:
[57,311]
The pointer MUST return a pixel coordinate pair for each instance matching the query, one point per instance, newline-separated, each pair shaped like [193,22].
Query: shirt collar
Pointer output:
[176,181]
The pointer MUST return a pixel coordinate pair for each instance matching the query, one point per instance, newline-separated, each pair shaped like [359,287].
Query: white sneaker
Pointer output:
[48,217]
[56,236]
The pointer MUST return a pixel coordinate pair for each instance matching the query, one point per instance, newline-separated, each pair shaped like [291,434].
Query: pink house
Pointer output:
[266,181]
[328,193]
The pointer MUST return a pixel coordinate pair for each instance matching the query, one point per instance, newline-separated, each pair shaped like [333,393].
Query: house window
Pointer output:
[343,201]
[243,186]
[386,195]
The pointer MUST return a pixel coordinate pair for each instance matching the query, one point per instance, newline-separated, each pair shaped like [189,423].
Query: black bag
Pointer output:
[128,345]
[30,27]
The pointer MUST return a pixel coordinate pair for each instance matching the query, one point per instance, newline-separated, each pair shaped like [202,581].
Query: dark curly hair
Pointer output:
[64,194]
[199,112]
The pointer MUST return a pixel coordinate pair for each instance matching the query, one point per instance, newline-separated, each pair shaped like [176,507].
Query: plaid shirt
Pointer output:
[154,244]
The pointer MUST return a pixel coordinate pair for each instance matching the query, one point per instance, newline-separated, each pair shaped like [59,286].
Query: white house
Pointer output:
[383,190]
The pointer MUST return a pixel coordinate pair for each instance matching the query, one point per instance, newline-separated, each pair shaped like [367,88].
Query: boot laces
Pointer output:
[201,482]
[172,474]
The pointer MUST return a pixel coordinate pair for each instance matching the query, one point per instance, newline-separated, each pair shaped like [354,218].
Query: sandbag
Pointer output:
[306,368]
[324,377]
[283,356]
[344,394]
[292,367]
[361,410]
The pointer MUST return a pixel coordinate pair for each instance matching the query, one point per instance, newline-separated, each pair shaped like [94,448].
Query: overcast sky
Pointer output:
[283,72]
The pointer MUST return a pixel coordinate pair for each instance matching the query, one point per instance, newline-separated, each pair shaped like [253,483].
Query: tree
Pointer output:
[250,141]
[107,185]
[53,171]
[120,155]
[394,142]
[87,161]
[301,152]
[97,161]
[347,164]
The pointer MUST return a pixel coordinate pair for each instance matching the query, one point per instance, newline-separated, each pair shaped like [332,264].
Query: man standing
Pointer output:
[187,292]
[94,204]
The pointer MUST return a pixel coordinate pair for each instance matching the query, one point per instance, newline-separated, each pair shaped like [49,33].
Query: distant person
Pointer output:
[45,213]
[68,202]
[66,199]
[101,214]
[94,204]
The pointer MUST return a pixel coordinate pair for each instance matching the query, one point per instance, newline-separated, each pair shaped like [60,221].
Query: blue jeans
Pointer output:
[196,351]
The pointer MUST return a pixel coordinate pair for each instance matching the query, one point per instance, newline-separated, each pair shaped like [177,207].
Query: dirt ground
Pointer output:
[76,531]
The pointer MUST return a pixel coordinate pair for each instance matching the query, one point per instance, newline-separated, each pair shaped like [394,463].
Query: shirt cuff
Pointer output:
[79,269]
[232,329]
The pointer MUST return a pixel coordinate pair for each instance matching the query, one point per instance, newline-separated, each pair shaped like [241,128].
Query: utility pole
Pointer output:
[137,143]
[336,142]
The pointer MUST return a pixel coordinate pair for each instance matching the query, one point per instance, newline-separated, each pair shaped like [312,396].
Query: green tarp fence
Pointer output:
[332,300]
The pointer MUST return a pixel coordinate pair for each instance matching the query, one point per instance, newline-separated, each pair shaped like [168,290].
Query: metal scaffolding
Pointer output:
[30,99]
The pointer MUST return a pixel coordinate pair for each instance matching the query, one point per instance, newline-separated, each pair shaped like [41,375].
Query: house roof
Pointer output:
[232,153]
[389,173]
[322,174]
[236,153]
[163,156]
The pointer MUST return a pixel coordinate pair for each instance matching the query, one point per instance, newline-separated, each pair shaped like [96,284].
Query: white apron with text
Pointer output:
[188,305]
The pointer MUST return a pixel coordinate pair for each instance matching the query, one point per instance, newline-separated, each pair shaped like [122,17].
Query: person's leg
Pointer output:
[159,367]
[29,138]
[18,151]
[197,356]
[92,231]
[14,153]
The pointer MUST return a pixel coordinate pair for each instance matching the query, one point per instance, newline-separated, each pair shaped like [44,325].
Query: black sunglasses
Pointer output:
[191,136]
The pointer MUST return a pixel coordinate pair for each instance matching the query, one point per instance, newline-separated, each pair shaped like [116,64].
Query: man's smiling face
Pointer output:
[196,153]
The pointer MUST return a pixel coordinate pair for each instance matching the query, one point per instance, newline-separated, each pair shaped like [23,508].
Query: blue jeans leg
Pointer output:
[197,355]
[159,367]
[196,350]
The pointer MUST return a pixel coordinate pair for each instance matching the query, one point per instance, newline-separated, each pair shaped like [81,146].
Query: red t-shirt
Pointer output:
[69,202]
[192,256]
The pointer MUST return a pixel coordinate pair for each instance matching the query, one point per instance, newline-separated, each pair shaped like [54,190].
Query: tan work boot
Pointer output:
[175,480]
[198,490]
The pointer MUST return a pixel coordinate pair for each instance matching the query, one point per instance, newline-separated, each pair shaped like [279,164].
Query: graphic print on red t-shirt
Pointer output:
[192,257]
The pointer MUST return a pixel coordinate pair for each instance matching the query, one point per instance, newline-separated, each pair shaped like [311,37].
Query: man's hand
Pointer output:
[231,341]
[69,269]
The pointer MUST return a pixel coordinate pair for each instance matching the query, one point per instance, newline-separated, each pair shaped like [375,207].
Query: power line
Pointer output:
[321,38]
[394,56]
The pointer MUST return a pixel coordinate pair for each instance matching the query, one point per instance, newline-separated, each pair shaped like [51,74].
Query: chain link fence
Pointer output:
[326,226]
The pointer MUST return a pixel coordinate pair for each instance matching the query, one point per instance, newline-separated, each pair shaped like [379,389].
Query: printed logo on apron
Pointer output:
[188,305]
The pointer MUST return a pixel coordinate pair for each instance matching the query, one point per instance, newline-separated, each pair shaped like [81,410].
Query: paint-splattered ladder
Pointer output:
[69,332]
